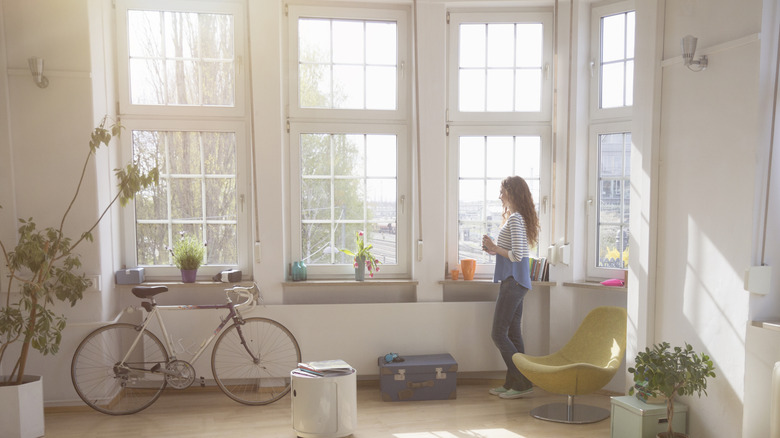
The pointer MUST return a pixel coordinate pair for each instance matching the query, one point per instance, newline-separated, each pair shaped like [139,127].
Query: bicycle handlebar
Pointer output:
[250,293]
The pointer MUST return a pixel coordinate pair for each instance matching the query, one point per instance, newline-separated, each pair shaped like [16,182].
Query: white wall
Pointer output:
[708,140]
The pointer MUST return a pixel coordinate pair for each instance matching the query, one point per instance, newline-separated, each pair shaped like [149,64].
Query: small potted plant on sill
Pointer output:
[188,253]
[666,372]
[363,259]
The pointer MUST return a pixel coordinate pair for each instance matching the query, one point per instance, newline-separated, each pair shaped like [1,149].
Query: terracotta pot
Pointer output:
[468,266]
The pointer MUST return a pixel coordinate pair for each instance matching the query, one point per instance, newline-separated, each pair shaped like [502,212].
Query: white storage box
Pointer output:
[633,418]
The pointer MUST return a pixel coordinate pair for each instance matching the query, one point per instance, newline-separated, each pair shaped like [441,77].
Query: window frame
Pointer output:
[403,198]
[597,130]
[243,217]
[189,118]
[485,270]
[358,121]
[400,16]
[239,47]
[597,13]
[456,18]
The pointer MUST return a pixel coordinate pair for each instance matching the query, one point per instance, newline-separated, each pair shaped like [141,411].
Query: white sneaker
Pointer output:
[512,393]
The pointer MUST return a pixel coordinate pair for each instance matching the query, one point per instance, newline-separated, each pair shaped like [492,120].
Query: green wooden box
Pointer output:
[633,418]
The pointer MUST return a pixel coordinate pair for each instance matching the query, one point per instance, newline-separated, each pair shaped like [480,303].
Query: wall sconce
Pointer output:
[688,49]
[36,68]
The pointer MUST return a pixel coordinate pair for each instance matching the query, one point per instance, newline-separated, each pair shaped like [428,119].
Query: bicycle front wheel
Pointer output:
[113,388]
[260,380]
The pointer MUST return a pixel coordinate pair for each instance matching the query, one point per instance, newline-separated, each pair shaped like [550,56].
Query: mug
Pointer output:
[468,266]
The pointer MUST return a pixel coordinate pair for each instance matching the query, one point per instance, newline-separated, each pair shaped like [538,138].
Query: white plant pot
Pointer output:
[21,409]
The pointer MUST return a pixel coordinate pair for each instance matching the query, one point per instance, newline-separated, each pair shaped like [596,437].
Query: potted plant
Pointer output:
[666,372]
[188,253]
[43,267]
[363,259]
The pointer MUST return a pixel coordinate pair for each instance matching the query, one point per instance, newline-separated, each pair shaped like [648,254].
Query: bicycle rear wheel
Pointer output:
[255,382]
[111,389]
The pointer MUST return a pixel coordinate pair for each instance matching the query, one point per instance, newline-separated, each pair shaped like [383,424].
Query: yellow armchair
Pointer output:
[584,365]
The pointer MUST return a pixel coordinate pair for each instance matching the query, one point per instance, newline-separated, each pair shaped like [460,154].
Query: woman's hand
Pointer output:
[488,245]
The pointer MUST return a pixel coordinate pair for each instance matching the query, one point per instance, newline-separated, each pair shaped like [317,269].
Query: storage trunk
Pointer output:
[423,377]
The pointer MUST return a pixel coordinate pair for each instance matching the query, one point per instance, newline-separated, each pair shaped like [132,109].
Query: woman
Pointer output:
[519,231]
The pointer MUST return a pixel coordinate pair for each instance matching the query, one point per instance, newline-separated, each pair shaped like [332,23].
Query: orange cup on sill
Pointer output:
[454,274]
[468,266]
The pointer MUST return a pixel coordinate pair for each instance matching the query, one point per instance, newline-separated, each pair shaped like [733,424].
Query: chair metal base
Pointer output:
[570,413]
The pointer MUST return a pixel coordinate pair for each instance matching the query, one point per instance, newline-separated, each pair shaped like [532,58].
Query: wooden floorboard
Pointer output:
[193,413]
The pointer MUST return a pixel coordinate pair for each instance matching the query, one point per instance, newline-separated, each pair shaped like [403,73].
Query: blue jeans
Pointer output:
[507,331]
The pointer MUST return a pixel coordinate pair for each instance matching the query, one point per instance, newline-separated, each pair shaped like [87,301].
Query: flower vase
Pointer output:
[360,268]
[188,275]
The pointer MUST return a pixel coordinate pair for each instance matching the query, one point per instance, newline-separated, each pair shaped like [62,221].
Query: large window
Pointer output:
[499,108]
[176,66]
[612,43]
[348,137]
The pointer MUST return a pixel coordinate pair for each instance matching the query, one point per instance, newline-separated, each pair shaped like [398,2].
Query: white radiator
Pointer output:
[774,408]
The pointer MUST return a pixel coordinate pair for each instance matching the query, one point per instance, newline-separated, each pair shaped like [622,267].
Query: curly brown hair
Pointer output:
[519,199]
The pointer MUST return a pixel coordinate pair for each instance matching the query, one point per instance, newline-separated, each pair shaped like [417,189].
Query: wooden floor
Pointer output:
[195,413]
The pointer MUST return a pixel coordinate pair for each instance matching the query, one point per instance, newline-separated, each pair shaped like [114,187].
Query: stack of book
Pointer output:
[540,269]
[323,368]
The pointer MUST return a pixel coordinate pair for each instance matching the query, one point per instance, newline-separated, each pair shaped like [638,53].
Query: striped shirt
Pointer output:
[512,237]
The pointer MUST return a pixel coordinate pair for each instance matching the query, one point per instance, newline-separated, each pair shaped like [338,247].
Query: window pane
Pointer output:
[499,155]
[314,86]
[181,58]
[316,204]
[221,199]
[472,157]
[612,85]
[472,90]
[222,243]
[472,45]
[348,87]
[349,155]
[529,90]
[629,83]
[381,88]
[316,243]
[500,45]
[613,199]
[315,154]
[349,199]
[144,31]
[613,38]
[499,90]
[630,32]
[151,240]
[381,156]
[528,156]
[529,45]
[363,64]
[313,40]
[348,44]
[381,42]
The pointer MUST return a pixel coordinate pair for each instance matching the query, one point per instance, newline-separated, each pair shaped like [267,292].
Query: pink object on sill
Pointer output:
[613,282]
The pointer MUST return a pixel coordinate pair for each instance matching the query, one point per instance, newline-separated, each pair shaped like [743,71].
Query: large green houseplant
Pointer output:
[43,267]
[666,372]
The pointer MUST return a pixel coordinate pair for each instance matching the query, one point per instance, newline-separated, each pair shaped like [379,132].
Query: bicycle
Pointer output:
[122,368]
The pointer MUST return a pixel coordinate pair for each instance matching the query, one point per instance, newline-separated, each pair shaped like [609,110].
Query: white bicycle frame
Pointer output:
[251,293]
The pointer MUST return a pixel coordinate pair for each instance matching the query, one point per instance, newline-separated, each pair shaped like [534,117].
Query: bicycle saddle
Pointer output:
[148,291]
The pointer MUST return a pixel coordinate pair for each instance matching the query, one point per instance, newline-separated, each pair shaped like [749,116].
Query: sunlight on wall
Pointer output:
[479,433]
[714,303]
